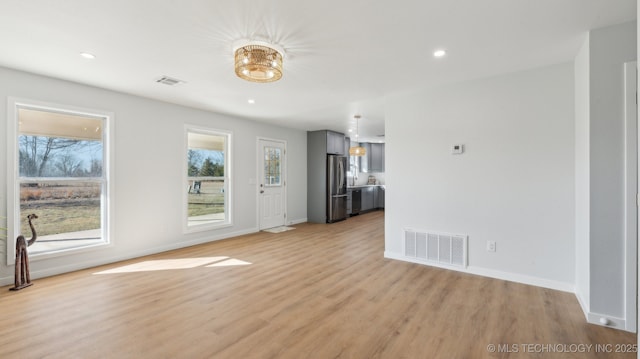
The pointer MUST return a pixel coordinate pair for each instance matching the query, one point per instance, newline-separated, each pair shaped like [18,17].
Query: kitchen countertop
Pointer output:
[366,185]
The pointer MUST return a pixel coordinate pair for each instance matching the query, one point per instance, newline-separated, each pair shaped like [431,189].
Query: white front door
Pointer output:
[271,183]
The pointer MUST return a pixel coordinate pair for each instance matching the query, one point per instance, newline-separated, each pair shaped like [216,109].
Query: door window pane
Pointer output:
[272,169]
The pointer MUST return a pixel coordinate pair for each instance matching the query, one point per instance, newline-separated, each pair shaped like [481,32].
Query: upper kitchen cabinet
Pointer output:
[373,160]
[377,157]
[335,143]
[347,145]
[365,160]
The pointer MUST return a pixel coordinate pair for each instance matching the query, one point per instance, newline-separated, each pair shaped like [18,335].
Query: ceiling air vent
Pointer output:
[169,81]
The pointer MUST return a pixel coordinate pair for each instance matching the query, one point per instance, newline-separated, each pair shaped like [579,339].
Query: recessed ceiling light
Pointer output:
[87,55]
[439,53]
[251,101]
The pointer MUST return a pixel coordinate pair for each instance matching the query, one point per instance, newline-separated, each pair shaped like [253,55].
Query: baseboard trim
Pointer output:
[491,273]
[583,305]
[158,249]
[611,322]
[297,221]
[594,318]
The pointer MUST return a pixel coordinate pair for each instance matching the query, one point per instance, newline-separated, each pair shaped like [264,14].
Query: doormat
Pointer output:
[278,229]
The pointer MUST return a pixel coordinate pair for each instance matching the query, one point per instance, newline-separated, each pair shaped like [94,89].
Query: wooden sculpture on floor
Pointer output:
[22,277]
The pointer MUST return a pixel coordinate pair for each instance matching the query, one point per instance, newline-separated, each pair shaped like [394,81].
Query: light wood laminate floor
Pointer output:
[319,291]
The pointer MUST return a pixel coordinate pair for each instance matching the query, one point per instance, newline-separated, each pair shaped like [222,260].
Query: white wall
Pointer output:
[514,184]
[609,49]
[148,169]
[582,174]
[601,245]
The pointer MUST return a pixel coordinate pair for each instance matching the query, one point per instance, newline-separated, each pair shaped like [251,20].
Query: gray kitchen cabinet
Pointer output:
[375,197]
[317,176]
[349,200]
[335,143]
[365,160]
[347,144]
[376,160]
[380,197]
[368,197]
[373,160]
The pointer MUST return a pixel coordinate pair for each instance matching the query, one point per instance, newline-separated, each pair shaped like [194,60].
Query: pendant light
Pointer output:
[357,150]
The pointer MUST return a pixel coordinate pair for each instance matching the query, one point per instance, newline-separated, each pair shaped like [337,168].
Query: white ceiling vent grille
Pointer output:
[440,248]
[169,81]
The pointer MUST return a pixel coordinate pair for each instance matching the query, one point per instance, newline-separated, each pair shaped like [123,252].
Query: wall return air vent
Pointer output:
[436,248]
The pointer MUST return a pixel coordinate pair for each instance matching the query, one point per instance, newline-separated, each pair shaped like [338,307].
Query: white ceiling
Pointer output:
[342,57]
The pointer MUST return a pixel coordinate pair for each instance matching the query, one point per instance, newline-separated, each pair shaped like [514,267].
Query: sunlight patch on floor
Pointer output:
[173,264]
[229,262]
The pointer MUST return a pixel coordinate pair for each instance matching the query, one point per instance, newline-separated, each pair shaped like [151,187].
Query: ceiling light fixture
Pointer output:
[258,61]
[439,53]
[251,101]
[357,150]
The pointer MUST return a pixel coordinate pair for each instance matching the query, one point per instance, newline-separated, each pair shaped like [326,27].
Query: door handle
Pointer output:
[261,191]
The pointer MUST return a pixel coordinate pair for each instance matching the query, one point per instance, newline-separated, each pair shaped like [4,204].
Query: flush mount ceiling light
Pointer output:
[357,150]
[439,53]
[258,61]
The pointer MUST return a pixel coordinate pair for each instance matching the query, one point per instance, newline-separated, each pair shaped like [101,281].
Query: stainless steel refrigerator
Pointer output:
[336,188]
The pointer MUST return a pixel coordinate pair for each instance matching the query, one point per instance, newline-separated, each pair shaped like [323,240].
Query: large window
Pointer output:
[207,179]
[59,161]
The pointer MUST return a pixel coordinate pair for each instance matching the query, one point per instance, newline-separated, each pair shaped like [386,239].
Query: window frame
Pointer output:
[228,188]
[14,180]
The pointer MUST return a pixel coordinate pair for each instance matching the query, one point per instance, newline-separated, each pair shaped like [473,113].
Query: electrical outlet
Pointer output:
[491,246]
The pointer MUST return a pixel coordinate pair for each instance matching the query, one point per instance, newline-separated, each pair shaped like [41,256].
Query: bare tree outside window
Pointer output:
[59,157]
